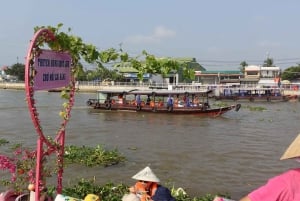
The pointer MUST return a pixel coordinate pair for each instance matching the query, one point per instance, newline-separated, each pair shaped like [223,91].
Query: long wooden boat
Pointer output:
[253,94]
[158,101]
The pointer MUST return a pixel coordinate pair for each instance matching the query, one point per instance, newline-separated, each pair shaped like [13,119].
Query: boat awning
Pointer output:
[267,82]
[285,82]
[249,79]
[169,92]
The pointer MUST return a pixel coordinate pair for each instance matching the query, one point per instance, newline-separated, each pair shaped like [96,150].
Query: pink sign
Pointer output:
[53,70]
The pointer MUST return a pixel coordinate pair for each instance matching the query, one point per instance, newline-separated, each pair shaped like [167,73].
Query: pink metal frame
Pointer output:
[44,146]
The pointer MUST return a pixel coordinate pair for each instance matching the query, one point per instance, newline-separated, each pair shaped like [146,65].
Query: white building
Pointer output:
[269,76]
[261,76]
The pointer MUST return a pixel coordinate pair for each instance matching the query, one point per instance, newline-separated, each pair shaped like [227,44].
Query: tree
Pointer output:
[268,62]
[103,73]
[17,70]
[243,65]
[81,74]
[79,50]
[291,73]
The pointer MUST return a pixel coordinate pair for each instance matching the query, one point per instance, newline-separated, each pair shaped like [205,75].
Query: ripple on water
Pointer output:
[234,153]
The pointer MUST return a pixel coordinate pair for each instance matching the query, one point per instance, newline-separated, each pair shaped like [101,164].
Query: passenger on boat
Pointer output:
[138,99]
[152,104]
[120,97]
[148,100]
[184,98]
[147,188]
[196,101]
[160,103]
[170,101]
[176,102]
[187,102]
[283,187]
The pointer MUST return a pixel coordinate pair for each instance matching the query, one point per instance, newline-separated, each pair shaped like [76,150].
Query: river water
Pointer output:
[234,153]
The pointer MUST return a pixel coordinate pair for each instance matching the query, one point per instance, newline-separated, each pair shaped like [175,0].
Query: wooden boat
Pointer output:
[158,101]
[253,94]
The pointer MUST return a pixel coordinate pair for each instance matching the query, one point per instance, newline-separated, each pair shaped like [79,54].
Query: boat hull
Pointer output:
[166,110]
[159,101]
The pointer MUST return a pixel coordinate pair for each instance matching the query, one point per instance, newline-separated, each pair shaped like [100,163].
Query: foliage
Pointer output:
[154,65]
[269,62]
[243,65]
[108,192]
[113,192]
[89,156]
[21,165]
[144,63]
[81,51]
[17,70]
[291,73]
[221,104]
[256,108]
[3,141]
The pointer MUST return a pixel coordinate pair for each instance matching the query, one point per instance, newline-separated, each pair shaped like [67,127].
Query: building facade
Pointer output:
[218,77]
[261,76]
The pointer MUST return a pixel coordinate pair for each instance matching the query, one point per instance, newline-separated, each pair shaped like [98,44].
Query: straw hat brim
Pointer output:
[146,175]
[293,151]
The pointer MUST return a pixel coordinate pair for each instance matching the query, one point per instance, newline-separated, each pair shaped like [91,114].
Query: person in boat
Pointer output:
[283,187]
[176,101]
[147,188]
[196,101]
[138,99]
[170,101]
[120,99]
[187,102]
[148,100]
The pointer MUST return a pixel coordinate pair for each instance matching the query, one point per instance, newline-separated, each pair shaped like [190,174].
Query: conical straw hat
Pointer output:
[293,150]
[146,175]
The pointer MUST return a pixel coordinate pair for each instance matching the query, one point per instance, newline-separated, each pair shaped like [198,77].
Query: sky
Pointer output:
[220,34]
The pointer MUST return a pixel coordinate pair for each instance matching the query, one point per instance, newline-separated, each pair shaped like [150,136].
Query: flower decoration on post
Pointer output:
[21,166]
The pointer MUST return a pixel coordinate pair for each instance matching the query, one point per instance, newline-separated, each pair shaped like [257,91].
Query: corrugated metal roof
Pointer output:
[221,72]
[249,79]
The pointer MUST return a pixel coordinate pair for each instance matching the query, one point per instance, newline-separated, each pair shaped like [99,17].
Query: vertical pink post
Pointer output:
[39,167]
[60,158]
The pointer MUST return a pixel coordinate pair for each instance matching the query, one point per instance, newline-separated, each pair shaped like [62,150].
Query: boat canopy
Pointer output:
[155,92]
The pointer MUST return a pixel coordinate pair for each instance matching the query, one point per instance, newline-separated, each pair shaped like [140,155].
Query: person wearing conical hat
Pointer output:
[147,187]
[284,187]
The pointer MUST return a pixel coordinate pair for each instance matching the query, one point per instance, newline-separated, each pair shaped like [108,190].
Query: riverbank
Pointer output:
[80,87]
[93,88]
[21,86]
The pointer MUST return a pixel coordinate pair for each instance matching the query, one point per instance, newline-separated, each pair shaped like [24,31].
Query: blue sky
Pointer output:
[218,33]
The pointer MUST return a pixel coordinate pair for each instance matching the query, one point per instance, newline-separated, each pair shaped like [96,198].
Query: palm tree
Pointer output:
[268,62]
[243,65]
